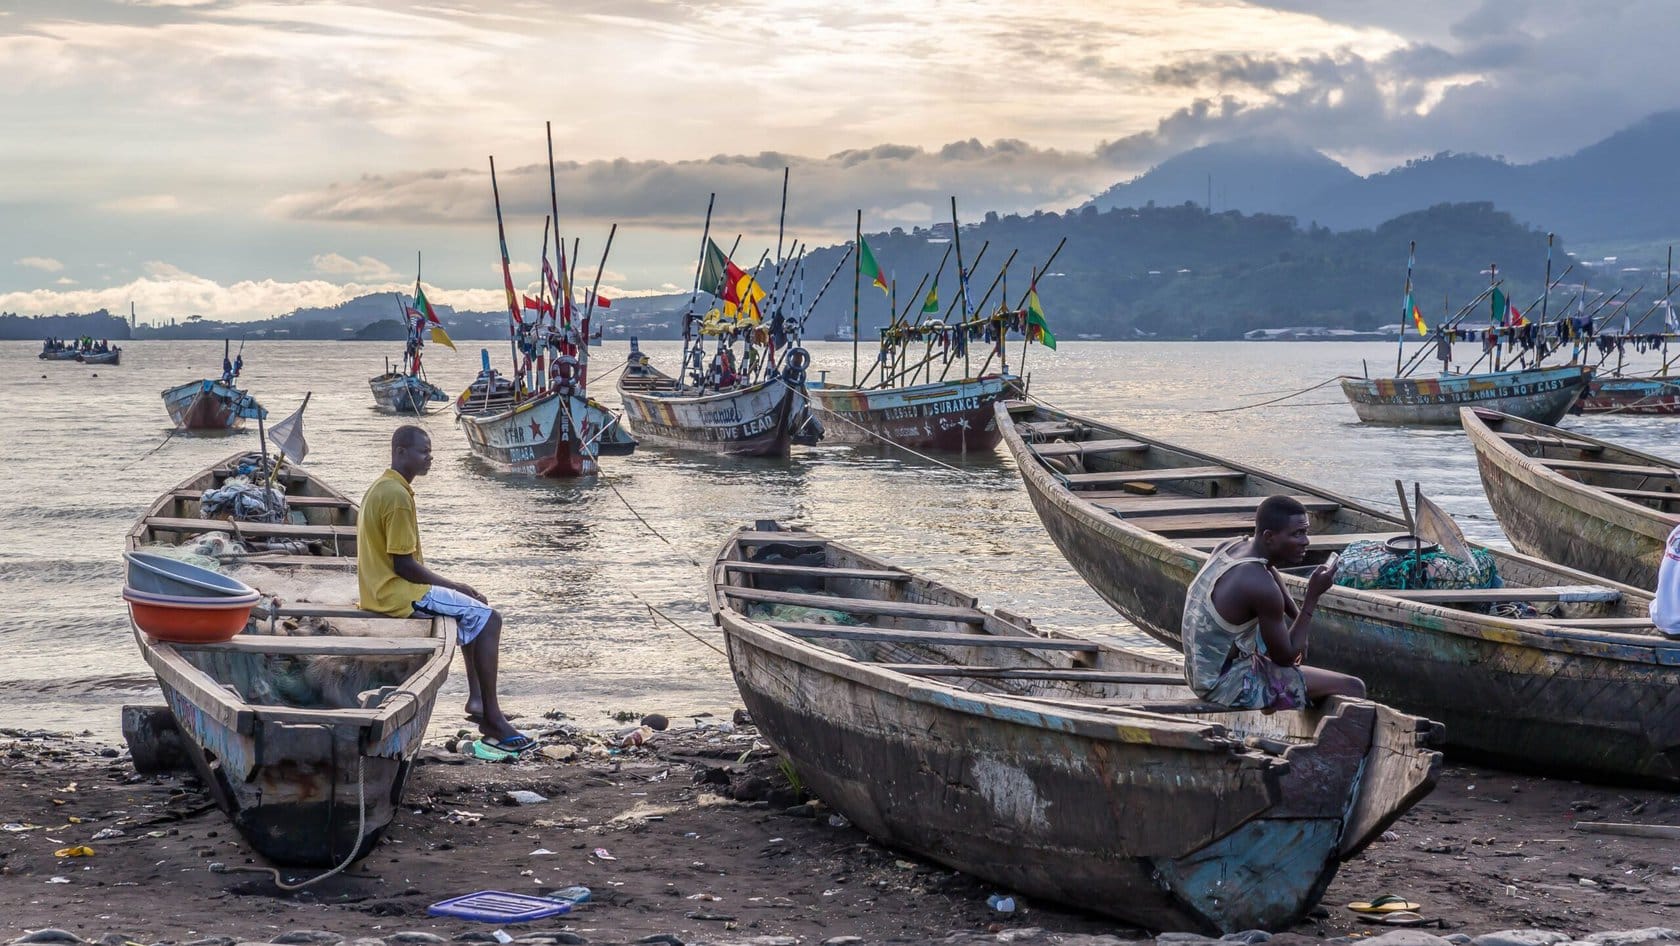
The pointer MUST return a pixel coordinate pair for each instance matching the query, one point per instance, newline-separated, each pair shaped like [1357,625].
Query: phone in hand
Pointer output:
[1331,562]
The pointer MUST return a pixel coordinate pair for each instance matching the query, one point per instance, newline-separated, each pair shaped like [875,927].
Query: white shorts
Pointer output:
[470,614]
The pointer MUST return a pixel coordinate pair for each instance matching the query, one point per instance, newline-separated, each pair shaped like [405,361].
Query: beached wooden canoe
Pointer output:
[947,416]
[1583,684]
[1066,769]
[1542,394]
[1574,499]
[305,726]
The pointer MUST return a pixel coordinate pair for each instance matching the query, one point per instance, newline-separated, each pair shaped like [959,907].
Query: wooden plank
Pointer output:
[867,633]
[1045,429]
[1488,595]
[329,502]
[264,611]
[902,609]
[1641,495]
[1534,441]
[1179,504]
[1151,476]
[1598,624]
[264,530]
[1625,469]
[1328,541]
[323,644]
[1229,525]
[798,538]
[1088,448]
[294,561]
[1667,832]
[817,571]
[1071,674]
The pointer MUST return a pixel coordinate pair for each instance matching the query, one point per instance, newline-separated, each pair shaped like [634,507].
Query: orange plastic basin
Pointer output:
[196,621]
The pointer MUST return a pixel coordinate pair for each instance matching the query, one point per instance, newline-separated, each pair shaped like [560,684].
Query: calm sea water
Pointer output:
[569,564]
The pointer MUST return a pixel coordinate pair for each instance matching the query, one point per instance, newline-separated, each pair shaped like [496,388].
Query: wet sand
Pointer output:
[1486,851]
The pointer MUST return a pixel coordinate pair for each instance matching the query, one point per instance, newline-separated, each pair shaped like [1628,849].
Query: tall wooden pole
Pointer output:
[1406,305]
[507,273]
[857,278]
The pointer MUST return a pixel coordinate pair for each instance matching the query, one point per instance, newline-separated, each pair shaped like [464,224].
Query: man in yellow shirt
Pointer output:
[394,580]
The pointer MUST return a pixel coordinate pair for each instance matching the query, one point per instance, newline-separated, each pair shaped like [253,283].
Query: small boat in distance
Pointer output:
[1539,394]
[1574,499]
[1631,394]
[106,356]
[1067,769]
[406,390]
[1547,668]
[213,403]
[304,727]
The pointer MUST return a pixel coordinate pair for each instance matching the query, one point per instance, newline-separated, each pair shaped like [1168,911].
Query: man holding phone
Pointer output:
[1244,638]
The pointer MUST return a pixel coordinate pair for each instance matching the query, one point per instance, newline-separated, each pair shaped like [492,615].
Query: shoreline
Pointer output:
[1486,851]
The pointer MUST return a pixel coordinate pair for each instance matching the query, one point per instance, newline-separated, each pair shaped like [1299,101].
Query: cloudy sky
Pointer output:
[241,158]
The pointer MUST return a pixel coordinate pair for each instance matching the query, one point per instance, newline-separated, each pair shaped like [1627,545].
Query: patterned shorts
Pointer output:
[1262,684]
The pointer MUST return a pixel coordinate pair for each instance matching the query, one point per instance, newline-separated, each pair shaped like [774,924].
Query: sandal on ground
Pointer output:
[1386,903]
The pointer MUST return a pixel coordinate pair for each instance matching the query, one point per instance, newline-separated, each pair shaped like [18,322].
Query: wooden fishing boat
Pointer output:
[304,728]
[110,356]
[549,435]
[949,416]
[759,419]
[396,393]
[1542,394]
[210,404]
[1577,500]
[1631,395]
[1066,769]
[1575,680]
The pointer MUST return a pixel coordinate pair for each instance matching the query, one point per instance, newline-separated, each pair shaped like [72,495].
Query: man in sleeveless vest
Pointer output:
[1244,637]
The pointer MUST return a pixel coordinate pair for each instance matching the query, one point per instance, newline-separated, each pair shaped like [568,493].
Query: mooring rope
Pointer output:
[361,827]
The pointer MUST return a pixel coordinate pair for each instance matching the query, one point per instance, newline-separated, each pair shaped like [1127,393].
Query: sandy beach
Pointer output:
[697,836]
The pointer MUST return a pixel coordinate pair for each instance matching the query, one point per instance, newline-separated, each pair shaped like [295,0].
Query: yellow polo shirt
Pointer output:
[387,526]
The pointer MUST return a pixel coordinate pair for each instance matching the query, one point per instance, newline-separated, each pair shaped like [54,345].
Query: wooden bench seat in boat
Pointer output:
[328,502]
[1329,542]
[292,561]
[1228,525]
[1116,477]
[762,538]
[324,644]
[816,571]
[1598,624]
[1530,440]
[265,530]
[1071,674]
[1045,429]
[1088,448]
[867,633]
[1641,494]
[1574,593]
[1131,505]
[901,609]
[1626,469]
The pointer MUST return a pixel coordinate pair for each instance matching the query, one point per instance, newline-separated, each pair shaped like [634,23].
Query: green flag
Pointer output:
[931,306]
[868,267]
[1038,328]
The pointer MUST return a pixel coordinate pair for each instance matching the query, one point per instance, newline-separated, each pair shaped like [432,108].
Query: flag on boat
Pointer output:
[1505,312]
[868,267]
[737,288]
[540,306]
[1417,315]
[602,301]
[930,305]
[288,435]
[442,337]
[1038,327]
[423,307]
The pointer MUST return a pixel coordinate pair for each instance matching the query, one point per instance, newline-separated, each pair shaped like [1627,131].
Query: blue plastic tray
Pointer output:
[499,906]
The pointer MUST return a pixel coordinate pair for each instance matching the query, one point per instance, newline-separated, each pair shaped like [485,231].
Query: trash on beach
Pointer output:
[58,880]
[79,850]
[1000,903]
[560,753]
[539,852]
[16,826]
[499,906]
[105,833]
[520,796]
[501,936]
[463,817]
[573,895]
[601,854]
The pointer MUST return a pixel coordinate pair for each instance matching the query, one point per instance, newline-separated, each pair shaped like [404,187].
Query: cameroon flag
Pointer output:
[870,268]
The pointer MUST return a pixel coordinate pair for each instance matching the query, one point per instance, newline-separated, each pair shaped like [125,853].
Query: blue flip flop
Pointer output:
[515,744]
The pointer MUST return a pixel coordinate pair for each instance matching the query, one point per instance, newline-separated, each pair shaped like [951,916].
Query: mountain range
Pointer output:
[1619,191]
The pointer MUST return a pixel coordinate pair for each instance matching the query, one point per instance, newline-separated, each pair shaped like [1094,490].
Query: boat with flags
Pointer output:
[1658,392]
[1526,389]
[405,389]
[898,400]
[538,419]
[213,404]
[751,403]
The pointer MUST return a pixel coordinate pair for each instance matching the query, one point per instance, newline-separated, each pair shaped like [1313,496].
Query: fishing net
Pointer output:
[1371,565]
[206,550]
[245,501]
[792,613]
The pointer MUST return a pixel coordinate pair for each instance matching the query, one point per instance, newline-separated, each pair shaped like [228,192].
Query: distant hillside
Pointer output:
[100,324]
[1619,190]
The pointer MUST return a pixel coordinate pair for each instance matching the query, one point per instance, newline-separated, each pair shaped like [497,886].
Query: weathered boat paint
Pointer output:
[549,436]
[947,416]
[1651,395]
[1515,692]
[297,783]
[1165,821]
[1570,519]
[1542,394]
[210,405]
[396,393]
[755,420]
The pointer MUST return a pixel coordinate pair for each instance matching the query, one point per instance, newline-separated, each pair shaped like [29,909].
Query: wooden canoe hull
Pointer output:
[1167,822]
[1542,394]
[210,405]
[536,438]
[1564,520]
[753,421]
[1631,396]
[948,417]
[404,393]
[112,357]
[1600,705]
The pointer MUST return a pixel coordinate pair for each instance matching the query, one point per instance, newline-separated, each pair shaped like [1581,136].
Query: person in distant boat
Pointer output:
[1244,637]
[1665,604]
[394,580]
